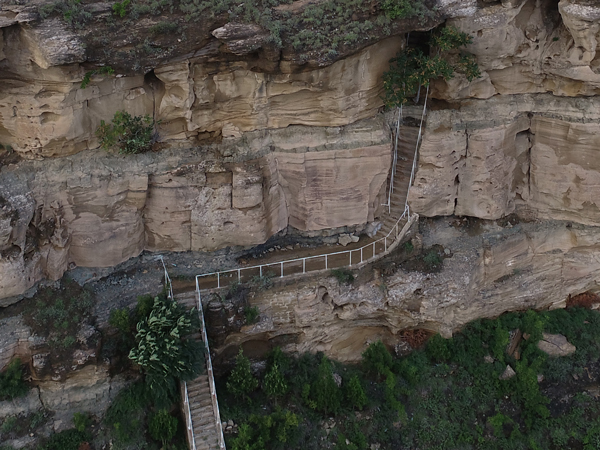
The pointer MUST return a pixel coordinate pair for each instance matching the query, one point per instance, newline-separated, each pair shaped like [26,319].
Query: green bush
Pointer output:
[405,9]
[120,8]
[12,384]
[105,70]
[376,359]
[8,425]
[124,418]
[270,431]
[81,421]
[164,349]
[162,426]
[251,314]
[164,28]
[241,382]
[65,440]
[325,392]
[274,383]
[119,319]
[355,394]
[130,134]
[343,276]
[437,349]
[413,69]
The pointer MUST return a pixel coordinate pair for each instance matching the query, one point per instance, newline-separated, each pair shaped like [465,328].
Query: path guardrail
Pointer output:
[209,372]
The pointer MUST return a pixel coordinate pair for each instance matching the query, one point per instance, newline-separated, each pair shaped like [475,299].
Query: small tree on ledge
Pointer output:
[412,69]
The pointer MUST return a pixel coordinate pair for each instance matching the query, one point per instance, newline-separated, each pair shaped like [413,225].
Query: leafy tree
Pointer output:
[274,383]
[413,69]
[263,432]
[326,392]
[355,394]
[130,134]
[241,382]
[162,427]
[376,359]
[164,350]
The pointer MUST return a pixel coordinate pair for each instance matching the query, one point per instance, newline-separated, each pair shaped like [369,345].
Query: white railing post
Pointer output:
[325,261]
[239,275]
[281,275]
[218,280]
[303,265]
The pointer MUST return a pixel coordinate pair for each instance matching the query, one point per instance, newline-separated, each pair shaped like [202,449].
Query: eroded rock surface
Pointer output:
[98,209]
[535,265]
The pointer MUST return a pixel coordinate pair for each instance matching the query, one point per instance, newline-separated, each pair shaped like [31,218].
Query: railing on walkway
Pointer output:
[186,399]
[209,372]
[373,251]
[346,258]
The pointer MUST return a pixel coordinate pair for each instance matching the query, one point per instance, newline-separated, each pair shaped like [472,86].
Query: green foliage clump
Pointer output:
[432,260]
[120,8]
[343,276]
[65,440]
[104,70]
[376,359]
[73,12]
[251,314]
[268,431]
[164,28]
[241,382]
[81,421]
[325,391]
[12,384]
[412,69]
[355,394]
[162,426]
[164,349]
[125,418]
[274,383]
[119,318]
[130,134]
[405,9]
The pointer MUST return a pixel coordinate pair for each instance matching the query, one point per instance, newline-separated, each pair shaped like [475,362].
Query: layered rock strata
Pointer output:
[97,210]
[490,270]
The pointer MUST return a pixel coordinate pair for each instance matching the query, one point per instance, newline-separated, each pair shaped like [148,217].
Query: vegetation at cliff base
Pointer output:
[448,394]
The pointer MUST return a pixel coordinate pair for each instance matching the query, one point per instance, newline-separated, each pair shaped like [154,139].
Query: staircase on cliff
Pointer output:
[204,429]
[407,143]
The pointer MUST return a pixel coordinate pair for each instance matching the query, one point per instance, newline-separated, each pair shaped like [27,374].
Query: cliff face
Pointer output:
[254,139]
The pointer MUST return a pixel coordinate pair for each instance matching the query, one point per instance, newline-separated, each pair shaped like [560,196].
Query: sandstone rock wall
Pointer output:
[536,155]
[489,272]
[98,210]
[45,113]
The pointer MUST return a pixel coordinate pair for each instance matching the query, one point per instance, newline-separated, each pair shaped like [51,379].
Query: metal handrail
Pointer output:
[209,370]
[406,214]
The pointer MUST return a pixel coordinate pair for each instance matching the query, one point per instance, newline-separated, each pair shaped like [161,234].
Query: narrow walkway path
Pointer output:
[281,263]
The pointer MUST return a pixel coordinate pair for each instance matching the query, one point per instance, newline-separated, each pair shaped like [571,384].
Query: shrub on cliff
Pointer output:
[164,349]
[12,384]
[413,69]
[130,134]
[241,381]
